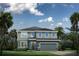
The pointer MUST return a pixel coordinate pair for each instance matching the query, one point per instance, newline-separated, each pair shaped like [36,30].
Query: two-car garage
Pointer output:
[43,45]
[47,46]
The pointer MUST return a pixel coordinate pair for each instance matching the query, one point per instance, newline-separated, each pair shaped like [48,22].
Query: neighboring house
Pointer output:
[37,38]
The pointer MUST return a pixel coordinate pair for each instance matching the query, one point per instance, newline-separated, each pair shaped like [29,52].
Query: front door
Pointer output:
[33,45]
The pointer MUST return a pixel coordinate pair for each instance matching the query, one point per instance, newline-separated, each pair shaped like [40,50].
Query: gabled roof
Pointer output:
[37,29]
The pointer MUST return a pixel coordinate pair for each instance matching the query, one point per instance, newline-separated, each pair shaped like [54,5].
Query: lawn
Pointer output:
[27,53]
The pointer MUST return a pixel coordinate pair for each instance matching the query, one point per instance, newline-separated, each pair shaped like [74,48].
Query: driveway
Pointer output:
[64,53]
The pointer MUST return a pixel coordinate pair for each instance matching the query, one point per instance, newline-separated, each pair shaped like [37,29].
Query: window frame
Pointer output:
[23,35]
[46,34]
[39,34]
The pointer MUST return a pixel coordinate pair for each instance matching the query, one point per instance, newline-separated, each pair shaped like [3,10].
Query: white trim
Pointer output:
[48,40]
[35,31]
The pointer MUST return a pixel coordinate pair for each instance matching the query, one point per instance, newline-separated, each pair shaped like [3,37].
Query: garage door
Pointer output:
[48,46]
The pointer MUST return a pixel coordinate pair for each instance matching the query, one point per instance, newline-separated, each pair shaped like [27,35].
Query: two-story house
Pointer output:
[37,38]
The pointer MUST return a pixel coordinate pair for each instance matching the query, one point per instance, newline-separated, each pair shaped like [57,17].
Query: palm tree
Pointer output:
[60,32]
[5,23]
[74,22]
[13,38]
[59,35]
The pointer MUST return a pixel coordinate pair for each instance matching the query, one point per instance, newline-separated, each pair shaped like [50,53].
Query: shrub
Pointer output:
[65,44]
[22,49]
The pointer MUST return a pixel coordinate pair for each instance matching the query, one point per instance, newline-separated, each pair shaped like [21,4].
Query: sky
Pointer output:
[45,15]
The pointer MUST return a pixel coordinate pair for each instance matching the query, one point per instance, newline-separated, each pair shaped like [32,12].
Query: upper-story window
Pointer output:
[46,34]
[33,34]
[53,34]
[39,33]
[23,35]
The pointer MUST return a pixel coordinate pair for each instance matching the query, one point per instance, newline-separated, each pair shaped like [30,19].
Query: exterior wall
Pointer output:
[22,39]
[24,36]
[43,35]
[51,34]
[22,44]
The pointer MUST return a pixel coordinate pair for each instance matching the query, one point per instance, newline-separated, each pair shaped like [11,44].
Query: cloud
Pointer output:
[71,6]
[65,19]
[18,25]
[53,5]
[20,7]
[21,23]
[40,4]
[65,5]
[49,20]
[59,24]
[52,24]
[68,5]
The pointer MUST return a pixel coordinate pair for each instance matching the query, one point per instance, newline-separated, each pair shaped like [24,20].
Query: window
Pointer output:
[25,44]
[46,34]
[32,34]
[39,33]
[19,32]
[18,43]
[22,44]
[23,35]
[53,34]
[39,45]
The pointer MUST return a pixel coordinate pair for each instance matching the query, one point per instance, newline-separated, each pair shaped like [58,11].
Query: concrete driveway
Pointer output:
[64,53]
[61,53]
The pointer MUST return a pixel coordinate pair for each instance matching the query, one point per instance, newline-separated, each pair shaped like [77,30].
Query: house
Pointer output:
[37,38]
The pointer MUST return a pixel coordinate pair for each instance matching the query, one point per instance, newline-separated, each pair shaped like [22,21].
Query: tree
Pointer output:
[13,39]
[74,21]
[60,32]
[13,33]
[72,36]
[59,35]
[74,28]
[5,23]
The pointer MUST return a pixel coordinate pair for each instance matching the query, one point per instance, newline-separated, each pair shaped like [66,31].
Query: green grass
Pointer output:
[27,53]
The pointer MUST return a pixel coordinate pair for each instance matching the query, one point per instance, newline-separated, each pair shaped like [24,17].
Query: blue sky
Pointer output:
[45,15]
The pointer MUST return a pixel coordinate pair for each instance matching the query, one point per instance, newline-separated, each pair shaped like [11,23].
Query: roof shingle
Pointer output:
[37,28]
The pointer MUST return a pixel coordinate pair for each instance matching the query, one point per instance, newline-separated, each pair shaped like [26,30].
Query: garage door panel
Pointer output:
[48,42]
[48,46]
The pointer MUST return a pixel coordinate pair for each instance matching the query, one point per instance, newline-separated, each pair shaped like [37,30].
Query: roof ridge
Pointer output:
[37,28]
